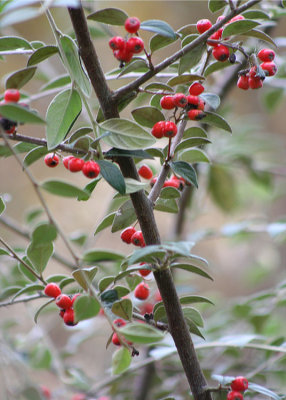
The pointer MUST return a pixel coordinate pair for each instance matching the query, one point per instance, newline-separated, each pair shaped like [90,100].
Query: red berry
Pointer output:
[167,102]
[12,130]
[135,45]
[12,95]
[119,322]
[270,67]
[75,296]
[236,18]
[243,82]
[203,25]
[196,115]
[170,129]
[127,234]
[115,339]
[146,308]
[91,169]
[240,384]
[201,105]
[123,54]
[215,36]
[172,183]
[180,182]
[158,296]
[52,290]
[64,301]
[116,43]
[253,72]
[234,396]
[180,100]
[69,317]
[51,160]
[62,313]
[45,391]
[141,291]
[266,55]
[75,164]
[255,83]
[144,272]
[196,89]
[193,101]
[220,53]
[158,129]
[132,24]
[137,239]
[145,172]
[79,396]
[66,161]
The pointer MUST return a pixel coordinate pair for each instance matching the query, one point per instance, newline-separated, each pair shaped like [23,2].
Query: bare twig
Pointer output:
[23,300]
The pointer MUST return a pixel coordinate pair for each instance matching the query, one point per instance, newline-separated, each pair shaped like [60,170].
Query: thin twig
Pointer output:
[23,300]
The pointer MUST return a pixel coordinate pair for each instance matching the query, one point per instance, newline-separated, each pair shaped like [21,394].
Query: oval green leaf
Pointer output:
[193,269]
[93,256]
[121,360]
[185,170]
[39,255]
[193,156]
[239,27]
[62,188]
[44,233]
[192,142]
[124,217]
[158,42]
[111,16]
[85,307]
[147,116]
[158,26]
[123,308]
[85,276]
[216,66]
[217,121]
[42,54]
[216,5]
[111,173]
[141,333]
[14,43]
[105,223]
[20,114]
[184,79]
[19,78]
[34,155]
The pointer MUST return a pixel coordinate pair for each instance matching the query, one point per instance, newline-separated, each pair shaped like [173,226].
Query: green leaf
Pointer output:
[185,170]
[127,272]
[28,274]
[216,66]
[193,269]
[195,132]
[192,142]
[211,99]
[105,223]
[123,308]
[34,287]
[4,253]
[255,14]
[111,173]
[193,156]
[41,309]
[34,155]
[20,114]
[194,315]
[264,391]
[13,43]
[56,278]
[125,134]
[170,193]
[88,189]
[93,256]
[19,78]
[191,325]
[85,307]
[111,16]
[194,299]
[133,186]
[158,85]
[44,233]
[272,98]
[136,65]
[222,187]
[19,15]
[158,42]
[158,26]
[85,276]
[105,282]
[140,154]
[39,255]
[187,29]
[260,35]
[184,79]
[57,82]
[216,5]
[166,205]
[79,133]
[124,217]
[74,65]
[61,115]
[217,121]
[147,116]
[10,290]
[239,27]
[192,57]
[141,333]
[42,54]
[121,359]
[2,205]
[62,188]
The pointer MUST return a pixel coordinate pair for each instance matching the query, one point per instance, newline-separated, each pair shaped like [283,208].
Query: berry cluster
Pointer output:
[253,78]
[130,235]
[119,323]
[123,50]
[63,301]
[89,168]
[238,385]
[10,96]
[174,181]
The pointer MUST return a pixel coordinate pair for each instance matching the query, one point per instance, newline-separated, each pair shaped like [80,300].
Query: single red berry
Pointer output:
[69,317]
[270,67]
[239,384]
[234,396]
[180,100]
[172,183]
[64,301]
[193,101]
[196,115]
[255,83]
[170,129]
[52,290]
[116,43]
[11,95]
[137,239]
[62,313]
[66,161]
[123,55]
[221,53]
[158,129]
[142,291]
[196,89]
[115,339]
[75,164]
[243,82]
[201,105]
[127,234]
[45,391]
[145,172]
[203,25]
[119,322]
[157,296]
[167,102]
[79,396]
[215,36]
[146,308]
[132,24]
[74,297]
[144,272]
[266,55]
[91,169]
[51,160]
[12,130]
[236,18]
[135,45]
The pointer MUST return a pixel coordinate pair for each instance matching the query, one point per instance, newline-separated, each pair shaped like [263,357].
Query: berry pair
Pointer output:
[130,235]
[164,128]
[119,322]
[238,385]
[10,96]
[174,181]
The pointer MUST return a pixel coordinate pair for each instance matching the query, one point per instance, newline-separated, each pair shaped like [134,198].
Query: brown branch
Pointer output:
[23,300]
